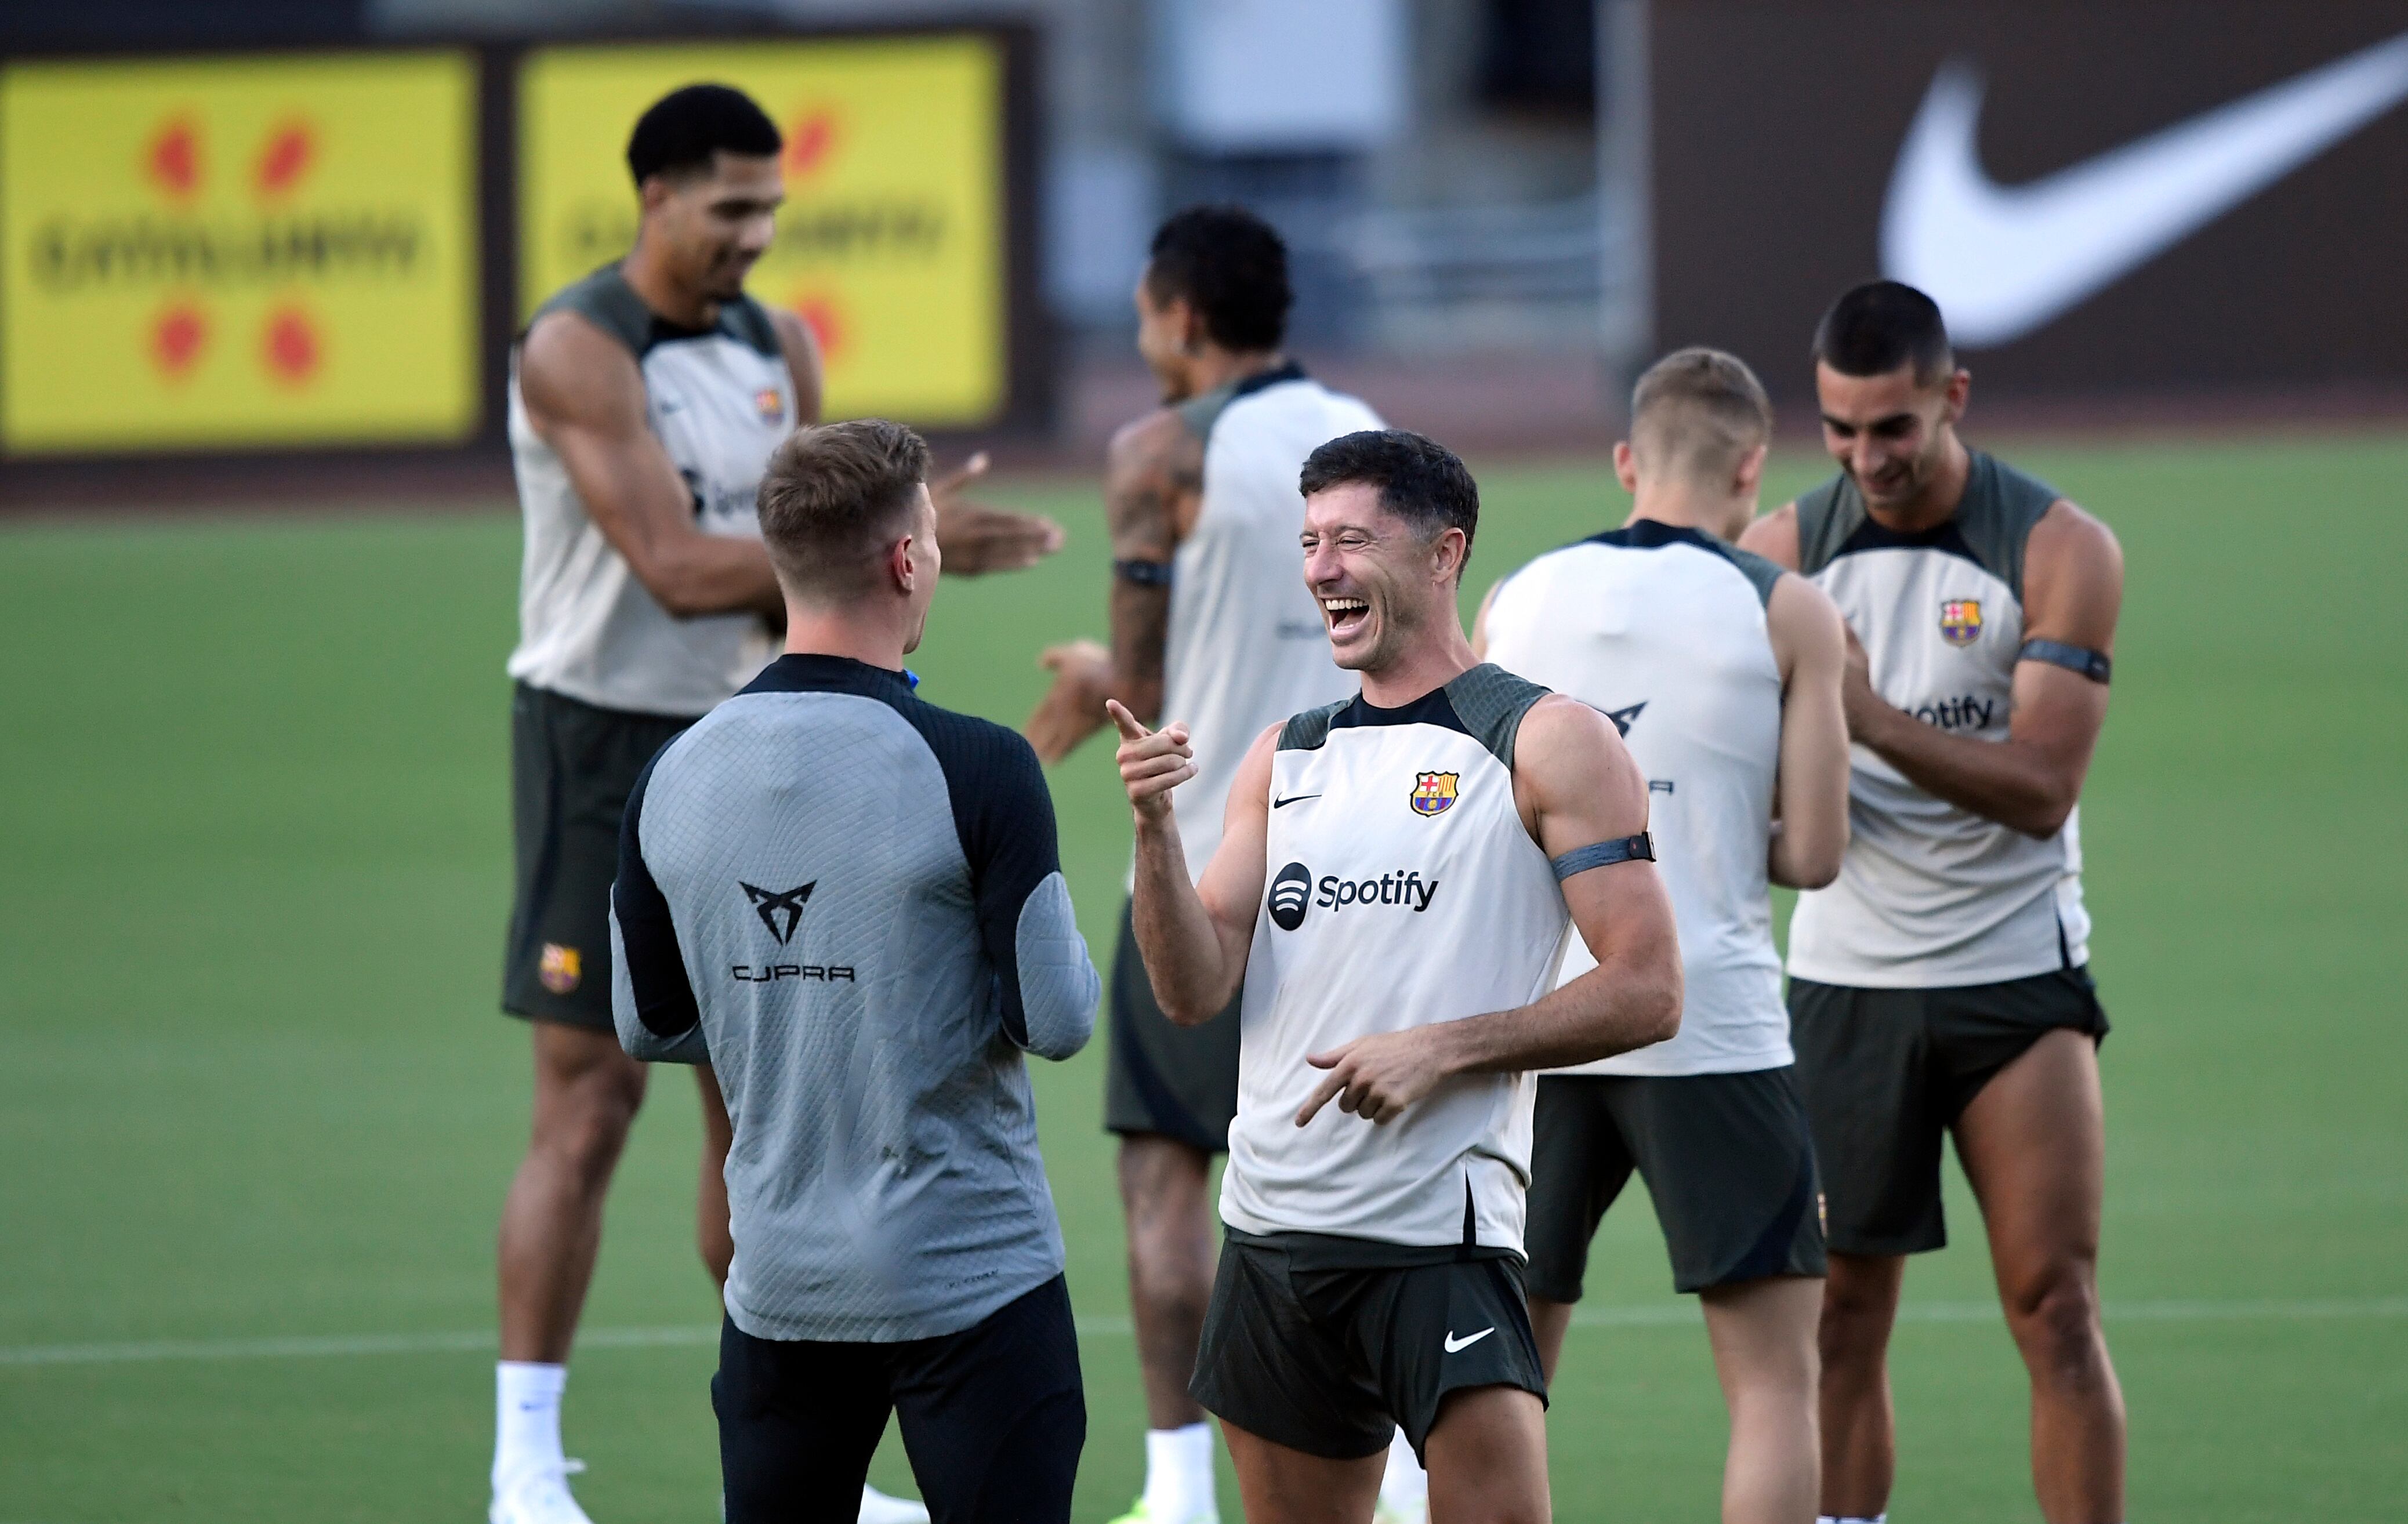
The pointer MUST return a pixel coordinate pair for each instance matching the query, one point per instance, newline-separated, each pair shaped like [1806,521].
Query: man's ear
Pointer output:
[1192,334]
[899,567]
[1451,553]
[1960,391]
[1625,466]
[1750,474]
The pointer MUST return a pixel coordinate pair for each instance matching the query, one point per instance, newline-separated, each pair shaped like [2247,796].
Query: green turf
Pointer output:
[253,874]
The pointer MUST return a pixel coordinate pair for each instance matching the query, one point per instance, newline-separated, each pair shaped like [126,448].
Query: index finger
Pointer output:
[1321,1096]
[1129,727]
[970,470]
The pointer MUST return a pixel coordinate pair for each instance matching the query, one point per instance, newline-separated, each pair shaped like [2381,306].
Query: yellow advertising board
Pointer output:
[207,252]
[891,242]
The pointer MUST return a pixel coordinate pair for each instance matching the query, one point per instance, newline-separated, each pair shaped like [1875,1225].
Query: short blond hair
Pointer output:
[836,495]
[1696,413]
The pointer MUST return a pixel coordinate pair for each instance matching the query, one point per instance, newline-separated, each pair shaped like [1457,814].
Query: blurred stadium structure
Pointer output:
[1518,199]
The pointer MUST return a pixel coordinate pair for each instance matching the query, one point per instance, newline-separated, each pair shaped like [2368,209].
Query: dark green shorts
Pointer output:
[572,767]
[1885,1072]
[1727,1159]
[1315,1343]
[1177,1082]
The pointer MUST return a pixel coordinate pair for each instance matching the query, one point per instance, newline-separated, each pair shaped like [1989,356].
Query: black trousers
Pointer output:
[994,1419]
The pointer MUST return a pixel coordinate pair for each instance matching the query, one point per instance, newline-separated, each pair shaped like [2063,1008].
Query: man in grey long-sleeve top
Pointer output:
[849,902]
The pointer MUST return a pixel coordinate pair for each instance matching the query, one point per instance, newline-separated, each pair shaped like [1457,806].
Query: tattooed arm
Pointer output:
[1154,486]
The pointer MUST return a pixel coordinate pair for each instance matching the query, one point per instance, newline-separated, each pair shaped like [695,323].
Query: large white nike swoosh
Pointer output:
[2002,260]
[1454,1344]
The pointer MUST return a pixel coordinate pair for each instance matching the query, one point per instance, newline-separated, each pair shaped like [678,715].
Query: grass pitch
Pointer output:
[257,1110]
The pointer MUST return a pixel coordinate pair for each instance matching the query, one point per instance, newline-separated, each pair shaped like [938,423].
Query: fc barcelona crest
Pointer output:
[1434,792]
[561,968]
[1960,620]
[771,405]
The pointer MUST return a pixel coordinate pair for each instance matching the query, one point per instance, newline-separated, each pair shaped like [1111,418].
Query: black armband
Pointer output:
[1638,848]
[1143,573]
[2093,665]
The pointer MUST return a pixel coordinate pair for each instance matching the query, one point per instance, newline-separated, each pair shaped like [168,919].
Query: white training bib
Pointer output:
[1931,895]
[1401,890]
[720,400]
[1247,645]
[1663,628]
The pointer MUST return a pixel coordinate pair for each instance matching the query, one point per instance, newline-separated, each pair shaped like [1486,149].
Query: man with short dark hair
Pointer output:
[849,902]
[644,401]
[1722,672]
[1941,985]
[1433,836]
[1211,625]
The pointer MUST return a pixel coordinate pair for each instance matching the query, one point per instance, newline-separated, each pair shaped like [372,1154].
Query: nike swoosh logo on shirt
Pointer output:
[1454,1344]
[2002,261]
[1292,799]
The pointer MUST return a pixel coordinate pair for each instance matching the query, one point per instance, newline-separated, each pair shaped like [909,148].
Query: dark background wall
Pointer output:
[1777,125]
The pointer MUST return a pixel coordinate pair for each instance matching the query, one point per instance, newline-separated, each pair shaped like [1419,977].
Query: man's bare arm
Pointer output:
[1154,483]
[1194,936]
[1774,536]
[1809,640]
[1578,789]
[2073,591]
[585,398]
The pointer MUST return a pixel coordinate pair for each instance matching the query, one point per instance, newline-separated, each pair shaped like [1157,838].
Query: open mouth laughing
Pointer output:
[1345,615]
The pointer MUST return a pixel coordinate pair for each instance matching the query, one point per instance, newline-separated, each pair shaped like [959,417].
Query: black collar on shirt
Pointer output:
[811,673]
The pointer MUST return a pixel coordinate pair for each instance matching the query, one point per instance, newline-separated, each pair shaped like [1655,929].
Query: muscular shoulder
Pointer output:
[570,368]
[1569,760]
[1156,441]
[2073,577]
[1805,625]
[1774,536]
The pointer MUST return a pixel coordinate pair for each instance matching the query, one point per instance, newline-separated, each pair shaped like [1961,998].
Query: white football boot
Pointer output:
[537,1495]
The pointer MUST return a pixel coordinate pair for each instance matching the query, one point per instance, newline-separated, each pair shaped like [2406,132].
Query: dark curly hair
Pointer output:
[1231,266]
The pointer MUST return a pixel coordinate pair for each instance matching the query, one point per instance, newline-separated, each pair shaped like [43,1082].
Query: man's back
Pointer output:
[859,893]
[1246,647]
[1664,628]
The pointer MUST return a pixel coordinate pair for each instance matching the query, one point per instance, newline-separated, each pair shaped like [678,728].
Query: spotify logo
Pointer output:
[1290,893]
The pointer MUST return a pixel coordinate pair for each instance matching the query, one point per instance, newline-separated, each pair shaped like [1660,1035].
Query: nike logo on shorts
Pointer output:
[1292,799]
[1454,1346]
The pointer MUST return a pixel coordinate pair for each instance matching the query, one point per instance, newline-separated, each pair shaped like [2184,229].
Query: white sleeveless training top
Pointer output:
[1930,894]
[1663,628]
[1402,889]
[1247,645]
[720,400]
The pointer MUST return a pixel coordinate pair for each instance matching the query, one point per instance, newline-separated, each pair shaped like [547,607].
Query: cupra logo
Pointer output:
[177,167]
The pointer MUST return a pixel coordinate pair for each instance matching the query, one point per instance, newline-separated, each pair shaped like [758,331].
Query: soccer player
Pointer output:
[1211,624]
[1722,671]
[849,901]
[645,400]
[1941,985]
[1392,887]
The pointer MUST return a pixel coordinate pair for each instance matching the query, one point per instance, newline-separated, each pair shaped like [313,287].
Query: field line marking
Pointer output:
[1670,1315]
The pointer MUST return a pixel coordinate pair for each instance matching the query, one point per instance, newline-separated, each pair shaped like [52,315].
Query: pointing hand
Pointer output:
[1153,762]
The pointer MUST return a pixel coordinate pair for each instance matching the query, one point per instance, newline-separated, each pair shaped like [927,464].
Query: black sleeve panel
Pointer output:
[1004,814]
[655,967]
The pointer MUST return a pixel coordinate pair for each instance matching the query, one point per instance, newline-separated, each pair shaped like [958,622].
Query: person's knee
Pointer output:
[585,1120]
[2055,1321]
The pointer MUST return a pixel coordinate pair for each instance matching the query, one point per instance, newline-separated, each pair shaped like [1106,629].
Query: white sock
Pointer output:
[1178,1473]
[526,1417]
[1881,1517]
[1404,1481]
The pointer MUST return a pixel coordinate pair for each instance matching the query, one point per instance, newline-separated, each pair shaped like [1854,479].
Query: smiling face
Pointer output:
[1890,433]
[1381,584]
[712,228]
